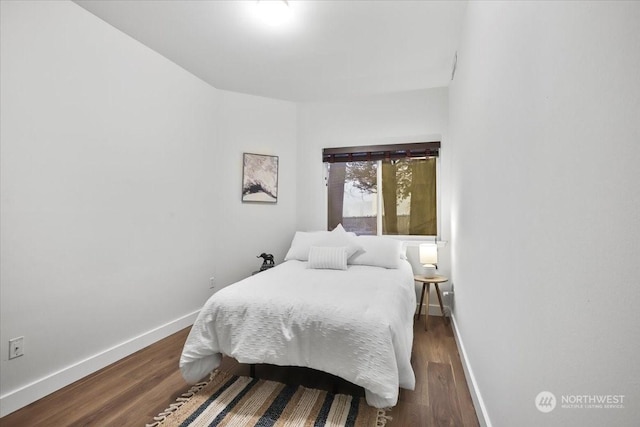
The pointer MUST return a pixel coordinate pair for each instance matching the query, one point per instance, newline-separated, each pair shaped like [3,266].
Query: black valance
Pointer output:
[381,152]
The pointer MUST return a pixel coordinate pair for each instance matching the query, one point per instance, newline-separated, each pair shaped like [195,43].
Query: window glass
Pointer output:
[353,197]
[407,202]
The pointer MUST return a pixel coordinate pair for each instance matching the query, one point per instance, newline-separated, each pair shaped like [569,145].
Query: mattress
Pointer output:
[356,324]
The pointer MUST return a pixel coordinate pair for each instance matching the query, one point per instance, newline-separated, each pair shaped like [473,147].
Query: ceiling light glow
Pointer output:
[274,13]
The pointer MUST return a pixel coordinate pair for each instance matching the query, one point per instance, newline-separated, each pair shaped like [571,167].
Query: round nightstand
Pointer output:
[426,285]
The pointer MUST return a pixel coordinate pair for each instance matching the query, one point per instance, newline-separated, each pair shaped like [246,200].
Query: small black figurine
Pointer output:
[267,262]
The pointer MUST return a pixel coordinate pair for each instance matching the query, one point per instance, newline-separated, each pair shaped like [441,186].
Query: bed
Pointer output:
[355,323]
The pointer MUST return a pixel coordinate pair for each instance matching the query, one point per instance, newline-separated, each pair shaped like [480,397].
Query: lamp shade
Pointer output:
[428,253]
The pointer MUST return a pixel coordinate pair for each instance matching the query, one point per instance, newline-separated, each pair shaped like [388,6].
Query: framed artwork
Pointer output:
[259,178]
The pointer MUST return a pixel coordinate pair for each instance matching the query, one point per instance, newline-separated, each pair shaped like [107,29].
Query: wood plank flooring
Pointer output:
[133,390]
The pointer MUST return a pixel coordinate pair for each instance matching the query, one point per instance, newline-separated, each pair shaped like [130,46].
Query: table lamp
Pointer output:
[429,258]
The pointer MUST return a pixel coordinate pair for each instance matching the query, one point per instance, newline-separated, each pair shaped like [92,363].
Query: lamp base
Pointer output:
[429,271]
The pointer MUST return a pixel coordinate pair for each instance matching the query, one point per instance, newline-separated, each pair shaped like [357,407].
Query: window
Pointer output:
[387,190]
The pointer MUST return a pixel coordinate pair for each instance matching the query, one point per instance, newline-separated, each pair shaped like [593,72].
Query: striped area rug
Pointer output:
[234,401]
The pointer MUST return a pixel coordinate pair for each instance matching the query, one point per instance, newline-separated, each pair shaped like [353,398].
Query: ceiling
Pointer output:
[328,49]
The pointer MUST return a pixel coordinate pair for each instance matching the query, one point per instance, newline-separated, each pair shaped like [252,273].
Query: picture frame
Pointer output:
[259,178]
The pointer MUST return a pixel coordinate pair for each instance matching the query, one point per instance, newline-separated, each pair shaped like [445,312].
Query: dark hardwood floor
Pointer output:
[133,390]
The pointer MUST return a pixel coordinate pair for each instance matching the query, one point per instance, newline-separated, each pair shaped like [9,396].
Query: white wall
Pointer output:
[545,130]
[121,182]
[255,125]
[401,117]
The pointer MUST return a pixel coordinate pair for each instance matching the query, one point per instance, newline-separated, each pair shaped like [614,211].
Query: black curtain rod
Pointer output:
[381,152]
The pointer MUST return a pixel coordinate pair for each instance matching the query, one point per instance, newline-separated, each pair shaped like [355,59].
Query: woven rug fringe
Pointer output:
[383,418]
[181,400]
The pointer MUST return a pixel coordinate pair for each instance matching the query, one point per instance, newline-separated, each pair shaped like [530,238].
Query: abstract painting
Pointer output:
[260,178]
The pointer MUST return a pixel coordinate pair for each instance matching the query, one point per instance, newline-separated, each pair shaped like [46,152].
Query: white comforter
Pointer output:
[356,324]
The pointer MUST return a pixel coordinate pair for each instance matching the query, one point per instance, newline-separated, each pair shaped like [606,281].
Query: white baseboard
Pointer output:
[434,310]
[38,389]
[478,402]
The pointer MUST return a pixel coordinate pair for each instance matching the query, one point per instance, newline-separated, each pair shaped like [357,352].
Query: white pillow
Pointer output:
[302,242]
[339,238]
[378,252]
[328,257]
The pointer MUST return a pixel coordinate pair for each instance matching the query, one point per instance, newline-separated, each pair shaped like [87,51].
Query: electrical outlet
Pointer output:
[16,347]
[212,282]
